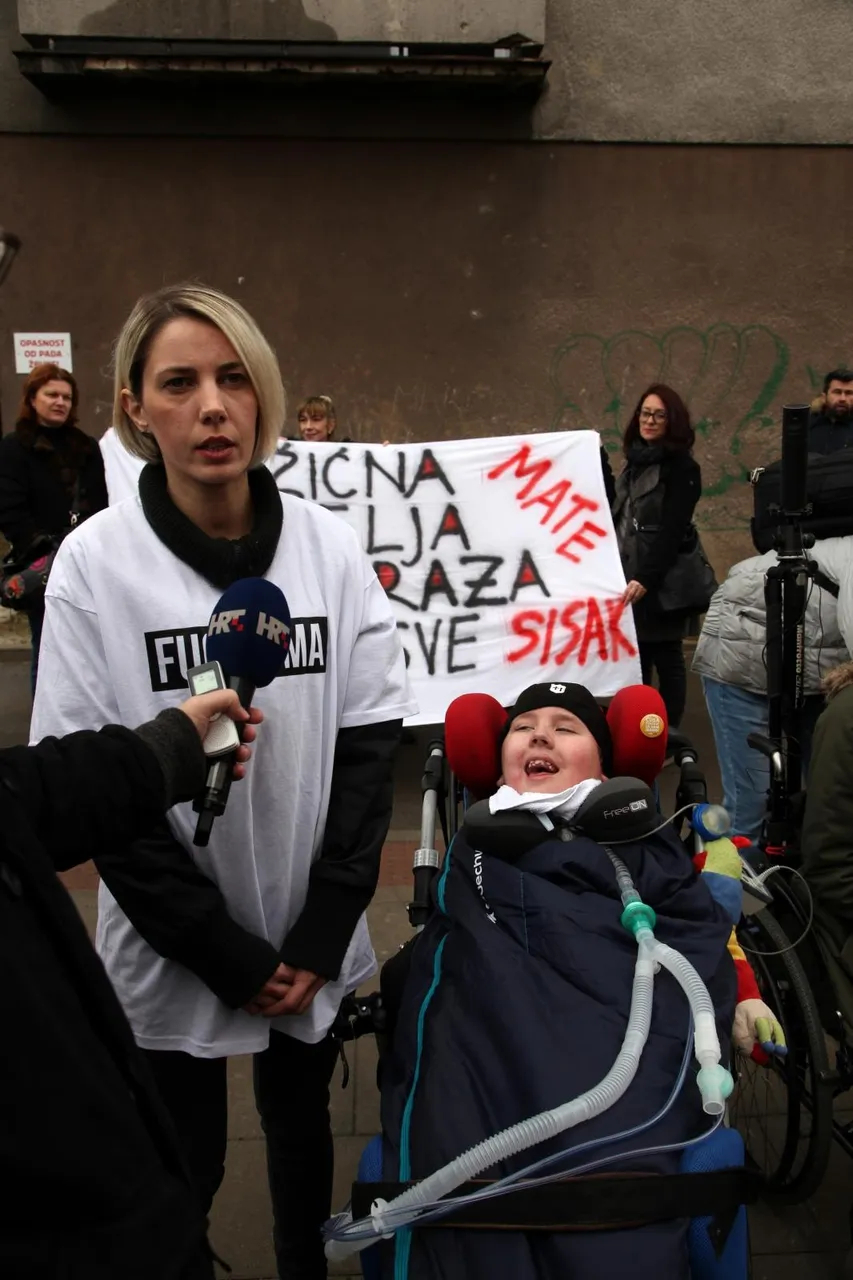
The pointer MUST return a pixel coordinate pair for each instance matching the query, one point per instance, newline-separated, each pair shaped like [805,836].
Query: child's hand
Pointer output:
[757,1031]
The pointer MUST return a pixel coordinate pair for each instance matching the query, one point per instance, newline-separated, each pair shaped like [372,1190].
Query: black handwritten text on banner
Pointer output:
[498,556]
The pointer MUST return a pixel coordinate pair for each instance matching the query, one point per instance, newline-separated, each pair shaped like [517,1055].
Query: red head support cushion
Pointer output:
[638,726]
[472,730]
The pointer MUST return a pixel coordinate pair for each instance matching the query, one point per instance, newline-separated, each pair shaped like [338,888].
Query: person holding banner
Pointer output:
[250,944]
[317,419]
[656,495]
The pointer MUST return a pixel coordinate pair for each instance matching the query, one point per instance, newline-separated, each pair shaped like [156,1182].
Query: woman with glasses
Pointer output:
[656,495]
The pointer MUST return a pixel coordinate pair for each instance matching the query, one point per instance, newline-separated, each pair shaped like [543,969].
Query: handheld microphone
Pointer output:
[638,725]
[472,729]
[248,636]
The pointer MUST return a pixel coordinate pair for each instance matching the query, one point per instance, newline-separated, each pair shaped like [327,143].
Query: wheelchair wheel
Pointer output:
[784,1110]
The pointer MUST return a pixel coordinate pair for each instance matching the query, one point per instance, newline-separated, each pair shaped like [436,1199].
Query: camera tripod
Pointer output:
[786,592]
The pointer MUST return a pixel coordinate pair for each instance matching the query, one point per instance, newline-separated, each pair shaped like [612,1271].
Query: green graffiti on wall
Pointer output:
[730,377]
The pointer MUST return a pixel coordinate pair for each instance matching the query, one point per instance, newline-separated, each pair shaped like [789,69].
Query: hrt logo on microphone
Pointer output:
[278,632]
[228,620]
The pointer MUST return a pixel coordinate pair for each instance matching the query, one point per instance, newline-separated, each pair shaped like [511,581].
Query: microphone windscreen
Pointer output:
[472,728]
[638,726]
[249,631]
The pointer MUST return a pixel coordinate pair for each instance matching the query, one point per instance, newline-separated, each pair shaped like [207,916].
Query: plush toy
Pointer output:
[757,1031]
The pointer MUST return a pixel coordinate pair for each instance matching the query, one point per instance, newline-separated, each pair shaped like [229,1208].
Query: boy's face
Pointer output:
[548,750]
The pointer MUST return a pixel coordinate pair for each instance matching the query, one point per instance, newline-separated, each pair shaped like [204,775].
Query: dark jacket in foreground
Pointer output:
[828,823]
[827,838]
[826,435]
[39,470]
[93,1186]
[658,492]
[523,979]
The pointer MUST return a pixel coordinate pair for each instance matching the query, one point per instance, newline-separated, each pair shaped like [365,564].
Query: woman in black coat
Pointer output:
[656,495]
[51,475]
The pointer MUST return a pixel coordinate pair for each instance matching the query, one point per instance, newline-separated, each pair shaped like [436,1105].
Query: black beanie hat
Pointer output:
[571,697]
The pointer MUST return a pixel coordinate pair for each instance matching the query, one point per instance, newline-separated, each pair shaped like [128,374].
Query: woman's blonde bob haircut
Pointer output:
[145,321]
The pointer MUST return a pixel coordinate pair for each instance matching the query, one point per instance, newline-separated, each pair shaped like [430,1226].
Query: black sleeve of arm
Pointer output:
[16,521]
[183,916]
[86,790]
[607,475]
[682,490]
[343,879]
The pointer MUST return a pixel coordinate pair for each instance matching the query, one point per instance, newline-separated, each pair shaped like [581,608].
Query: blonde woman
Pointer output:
[249,945]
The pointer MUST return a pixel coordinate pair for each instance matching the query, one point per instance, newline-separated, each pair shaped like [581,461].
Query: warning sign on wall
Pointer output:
[42,348]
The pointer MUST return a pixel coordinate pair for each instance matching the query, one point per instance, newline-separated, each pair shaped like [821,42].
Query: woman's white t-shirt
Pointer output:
[125,618]
[122,469]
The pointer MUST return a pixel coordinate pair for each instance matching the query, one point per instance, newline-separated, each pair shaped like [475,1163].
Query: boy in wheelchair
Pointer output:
[516,996]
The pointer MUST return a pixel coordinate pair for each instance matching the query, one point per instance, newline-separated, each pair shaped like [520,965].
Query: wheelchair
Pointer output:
[783,1107]
[721,1183]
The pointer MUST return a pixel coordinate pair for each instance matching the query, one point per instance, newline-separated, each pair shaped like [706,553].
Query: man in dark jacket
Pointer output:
[831,427]
[94,1187]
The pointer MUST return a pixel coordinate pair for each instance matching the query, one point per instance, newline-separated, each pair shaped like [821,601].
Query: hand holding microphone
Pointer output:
[205,708]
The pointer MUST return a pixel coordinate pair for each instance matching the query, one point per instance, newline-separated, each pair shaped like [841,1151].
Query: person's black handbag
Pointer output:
[829,495]
[688,585]
[23,578]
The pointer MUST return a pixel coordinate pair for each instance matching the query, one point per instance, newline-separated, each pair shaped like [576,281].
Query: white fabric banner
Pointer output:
[499,556]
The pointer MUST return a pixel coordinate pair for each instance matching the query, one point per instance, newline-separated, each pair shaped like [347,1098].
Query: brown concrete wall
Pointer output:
[644,71]
[458,21]
[445,290]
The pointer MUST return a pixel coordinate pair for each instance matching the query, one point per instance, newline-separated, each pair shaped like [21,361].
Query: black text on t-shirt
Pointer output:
[172,653]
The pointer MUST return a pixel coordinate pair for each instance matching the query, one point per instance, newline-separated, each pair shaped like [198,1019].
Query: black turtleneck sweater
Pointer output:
[39,471]
[169,901]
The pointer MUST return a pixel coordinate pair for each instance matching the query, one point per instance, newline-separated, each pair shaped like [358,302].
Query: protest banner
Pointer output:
[498,555]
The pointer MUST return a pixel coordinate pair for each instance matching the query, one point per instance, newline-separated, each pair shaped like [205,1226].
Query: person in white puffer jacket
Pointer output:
[731,658]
